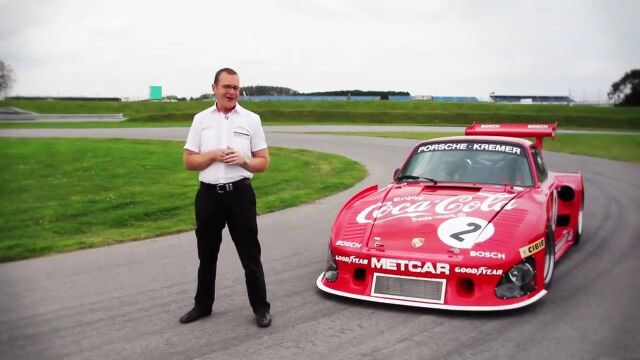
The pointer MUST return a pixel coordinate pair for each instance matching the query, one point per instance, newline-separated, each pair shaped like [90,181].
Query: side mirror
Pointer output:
[396,172]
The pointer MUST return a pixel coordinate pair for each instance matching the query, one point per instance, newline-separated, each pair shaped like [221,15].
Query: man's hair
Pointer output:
[223,70]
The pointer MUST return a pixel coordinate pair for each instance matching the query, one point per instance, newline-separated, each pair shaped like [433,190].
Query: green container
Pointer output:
[155,92]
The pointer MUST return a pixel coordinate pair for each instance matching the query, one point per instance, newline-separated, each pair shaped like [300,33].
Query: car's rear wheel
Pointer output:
[549,257]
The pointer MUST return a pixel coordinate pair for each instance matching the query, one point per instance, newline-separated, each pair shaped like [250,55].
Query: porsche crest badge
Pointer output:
[417,242]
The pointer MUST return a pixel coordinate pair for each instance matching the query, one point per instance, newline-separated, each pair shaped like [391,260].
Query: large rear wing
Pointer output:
[537,131]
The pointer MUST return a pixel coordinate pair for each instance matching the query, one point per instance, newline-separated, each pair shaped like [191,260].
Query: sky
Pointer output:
[119,48]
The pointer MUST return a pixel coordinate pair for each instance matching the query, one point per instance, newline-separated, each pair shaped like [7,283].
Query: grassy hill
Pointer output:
[359,112]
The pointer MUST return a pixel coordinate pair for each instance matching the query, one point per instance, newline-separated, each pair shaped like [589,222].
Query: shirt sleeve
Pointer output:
[258,139]
[193,139]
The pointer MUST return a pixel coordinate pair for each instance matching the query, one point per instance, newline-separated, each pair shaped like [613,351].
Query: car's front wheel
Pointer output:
[576,241]
[549,257]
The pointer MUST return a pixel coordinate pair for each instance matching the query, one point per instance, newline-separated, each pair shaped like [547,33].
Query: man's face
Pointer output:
[227,91]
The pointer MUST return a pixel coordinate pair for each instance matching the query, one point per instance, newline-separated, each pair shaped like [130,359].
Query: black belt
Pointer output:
[225,187]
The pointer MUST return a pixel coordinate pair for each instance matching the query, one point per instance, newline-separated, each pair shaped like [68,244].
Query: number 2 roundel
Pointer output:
[464,232]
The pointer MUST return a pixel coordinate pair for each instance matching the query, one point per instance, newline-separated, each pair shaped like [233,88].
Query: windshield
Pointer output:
[470,162]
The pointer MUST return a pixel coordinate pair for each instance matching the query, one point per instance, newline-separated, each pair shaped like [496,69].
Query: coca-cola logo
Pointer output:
[389,210]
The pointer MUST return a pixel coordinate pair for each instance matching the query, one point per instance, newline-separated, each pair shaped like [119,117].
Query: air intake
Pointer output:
[409,288]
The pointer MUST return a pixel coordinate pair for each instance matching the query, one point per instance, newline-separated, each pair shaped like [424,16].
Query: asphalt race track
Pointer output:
[124,301]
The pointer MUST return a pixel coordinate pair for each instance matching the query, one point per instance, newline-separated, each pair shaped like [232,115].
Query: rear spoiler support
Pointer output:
[537,131]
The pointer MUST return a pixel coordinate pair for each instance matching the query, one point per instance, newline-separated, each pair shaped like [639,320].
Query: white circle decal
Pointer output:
[464,232]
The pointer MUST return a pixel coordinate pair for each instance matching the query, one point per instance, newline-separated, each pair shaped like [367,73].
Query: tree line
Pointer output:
[626,91]
[264,90]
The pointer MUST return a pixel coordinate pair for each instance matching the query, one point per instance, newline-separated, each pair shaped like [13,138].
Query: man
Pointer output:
[226,143]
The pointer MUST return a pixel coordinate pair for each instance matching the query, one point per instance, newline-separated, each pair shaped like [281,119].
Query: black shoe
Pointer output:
[194,314]
[263,319]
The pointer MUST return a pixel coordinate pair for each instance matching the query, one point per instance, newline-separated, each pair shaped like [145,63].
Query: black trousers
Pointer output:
[236,207]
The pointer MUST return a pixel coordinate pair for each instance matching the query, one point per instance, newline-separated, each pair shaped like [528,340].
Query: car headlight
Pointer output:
[518,281]
[330,268]
[521,273]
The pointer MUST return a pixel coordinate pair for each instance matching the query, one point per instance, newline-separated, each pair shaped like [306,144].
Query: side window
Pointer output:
[539,164]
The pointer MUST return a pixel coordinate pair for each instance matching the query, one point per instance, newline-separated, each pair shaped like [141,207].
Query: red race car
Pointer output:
[471,222]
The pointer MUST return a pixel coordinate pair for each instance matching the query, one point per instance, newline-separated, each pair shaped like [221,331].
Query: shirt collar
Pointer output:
[239,109]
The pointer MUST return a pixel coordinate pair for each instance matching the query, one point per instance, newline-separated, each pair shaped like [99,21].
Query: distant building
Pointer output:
[456,98]
[531,99]
[155,92]
[422,97]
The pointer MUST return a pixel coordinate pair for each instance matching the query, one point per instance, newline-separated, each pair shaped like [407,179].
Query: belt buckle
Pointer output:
[222,188]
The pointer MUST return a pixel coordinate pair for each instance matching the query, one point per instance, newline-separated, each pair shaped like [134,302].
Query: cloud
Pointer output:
[119,48]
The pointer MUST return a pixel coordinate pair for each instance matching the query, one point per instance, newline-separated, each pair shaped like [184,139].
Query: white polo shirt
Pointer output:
[211,129]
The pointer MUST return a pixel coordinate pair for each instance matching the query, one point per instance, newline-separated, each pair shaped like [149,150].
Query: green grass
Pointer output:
[94,124]
[615,147]
[65,194]
[348,112]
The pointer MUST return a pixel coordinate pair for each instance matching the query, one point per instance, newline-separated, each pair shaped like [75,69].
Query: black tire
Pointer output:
[576,241]
[549,257]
